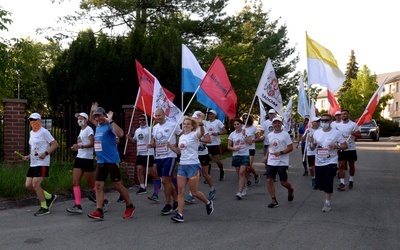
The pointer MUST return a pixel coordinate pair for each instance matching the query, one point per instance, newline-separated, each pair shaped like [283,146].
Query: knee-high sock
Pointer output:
[157,186]
[77,195]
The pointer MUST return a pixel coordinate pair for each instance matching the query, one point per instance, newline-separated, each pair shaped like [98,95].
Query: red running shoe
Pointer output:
[129,212]
[97,215]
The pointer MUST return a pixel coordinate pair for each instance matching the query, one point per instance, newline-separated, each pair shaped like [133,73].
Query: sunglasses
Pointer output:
[142,120]
[325,120]
[31,119]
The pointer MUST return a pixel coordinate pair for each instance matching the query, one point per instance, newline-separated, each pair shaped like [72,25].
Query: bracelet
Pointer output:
[281,152]
[201,125]
[46,153]
[111,122]
[81,146]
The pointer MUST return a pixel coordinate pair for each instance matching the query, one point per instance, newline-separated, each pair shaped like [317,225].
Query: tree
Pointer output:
[351,73]
[356,98]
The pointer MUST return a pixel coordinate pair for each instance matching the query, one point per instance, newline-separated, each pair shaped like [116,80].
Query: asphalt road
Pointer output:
[366,217]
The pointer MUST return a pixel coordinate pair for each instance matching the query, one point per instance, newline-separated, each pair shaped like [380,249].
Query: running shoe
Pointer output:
[106,203]
[166,210]
[326,208]
[97,215]
[290,195]
[75,209]
[273,204]
[49,202]
[175,206]
[244,191]
[141,191]
[129,212]
[350,185]
[92,198]
[205,182]
[305,173]
[189,199]
[42,211]
[211,195]
[313,183]
[177,217]
[341,187]
[248,183]
[120,199]
[221,175]
[153,197]
[210,207]
[239,195]
[257,179]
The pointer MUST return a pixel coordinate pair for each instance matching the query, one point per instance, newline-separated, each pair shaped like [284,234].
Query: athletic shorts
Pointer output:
[272,171]
[103,169]
[189,170]
[214,149]
[240,160]
[350,155]
[166,166]
[87,165]
[141,160]
[204,160]
[324,176]
[38,171]
[252,152]
[311,160]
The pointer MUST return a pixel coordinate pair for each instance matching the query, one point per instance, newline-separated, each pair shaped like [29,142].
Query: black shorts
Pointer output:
[103,169]
[38,171]
[87,165]
[324,176]
[214,149]
[280,170]
[349,155]
[141,160]
[204,160]
[311,160]
[252,152]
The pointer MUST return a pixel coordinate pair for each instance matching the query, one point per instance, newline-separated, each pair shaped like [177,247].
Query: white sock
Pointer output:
[342,180]
[351,178]
[211,188]
[142,186]
[328,202]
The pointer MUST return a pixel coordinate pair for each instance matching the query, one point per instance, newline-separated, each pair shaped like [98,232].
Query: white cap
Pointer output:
[83,114]
[35,116]
[338,113]
[315,119]
[272,111]
[277,119]
[212,111]
[197,113]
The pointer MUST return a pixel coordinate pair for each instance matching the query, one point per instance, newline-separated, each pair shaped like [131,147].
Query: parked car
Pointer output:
[370,130]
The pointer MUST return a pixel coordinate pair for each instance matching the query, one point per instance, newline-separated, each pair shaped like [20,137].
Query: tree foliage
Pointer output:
[351,73]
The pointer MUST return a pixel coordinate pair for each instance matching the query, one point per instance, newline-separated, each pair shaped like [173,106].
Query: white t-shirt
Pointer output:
[277,143]
[238,140]
[141,137]
[251,131]
[267,128]
[39,142]
[334,124]
[189,146]
[202,150]
[345,129]
[311,132]
[83,139]
[324,154]
[212,127]
[161,134]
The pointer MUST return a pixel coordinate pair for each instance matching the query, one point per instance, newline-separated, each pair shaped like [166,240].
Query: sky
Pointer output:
[340,26]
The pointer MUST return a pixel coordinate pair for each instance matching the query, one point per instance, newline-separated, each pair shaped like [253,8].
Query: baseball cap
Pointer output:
[272,111]
[277,119]
[338,113]
[315,119]
[35,116]
[99,110]
[197,113]
[212,111]
[83,114]
[245,114]
[307,117]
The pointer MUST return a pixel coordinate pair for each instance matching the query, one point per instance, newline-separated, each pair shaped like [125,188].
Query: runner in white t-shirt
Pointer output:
[251,131]
[315,122]
[277,160]
[326,141]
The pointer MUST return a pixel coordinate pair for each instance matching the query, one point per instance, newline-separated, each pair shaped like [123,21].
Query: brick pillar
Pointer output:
[130,154]
[14,129]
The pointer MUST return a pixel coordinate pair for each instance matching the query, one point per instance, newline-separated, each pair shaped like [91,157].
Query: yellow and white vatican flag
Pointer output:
[322,66]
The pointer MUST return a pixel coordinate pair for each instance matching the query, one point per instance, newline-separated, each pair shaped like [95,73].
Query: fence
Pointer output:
[65,130]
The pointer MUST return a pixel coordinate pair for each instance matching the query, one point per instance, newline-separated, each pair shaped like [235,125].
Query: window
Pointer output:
[397,106]
[397,86]
[322,104]
[389,107]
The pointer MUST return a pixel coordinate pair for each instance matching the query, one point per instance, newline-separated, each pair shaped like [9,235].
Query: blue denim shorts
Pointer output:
[189,171]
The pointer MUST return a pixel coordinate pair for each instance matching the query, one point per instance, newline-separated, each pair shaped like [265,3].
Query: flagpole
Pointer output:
[148,156]
[251,107]
[130,124]
[184,111]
